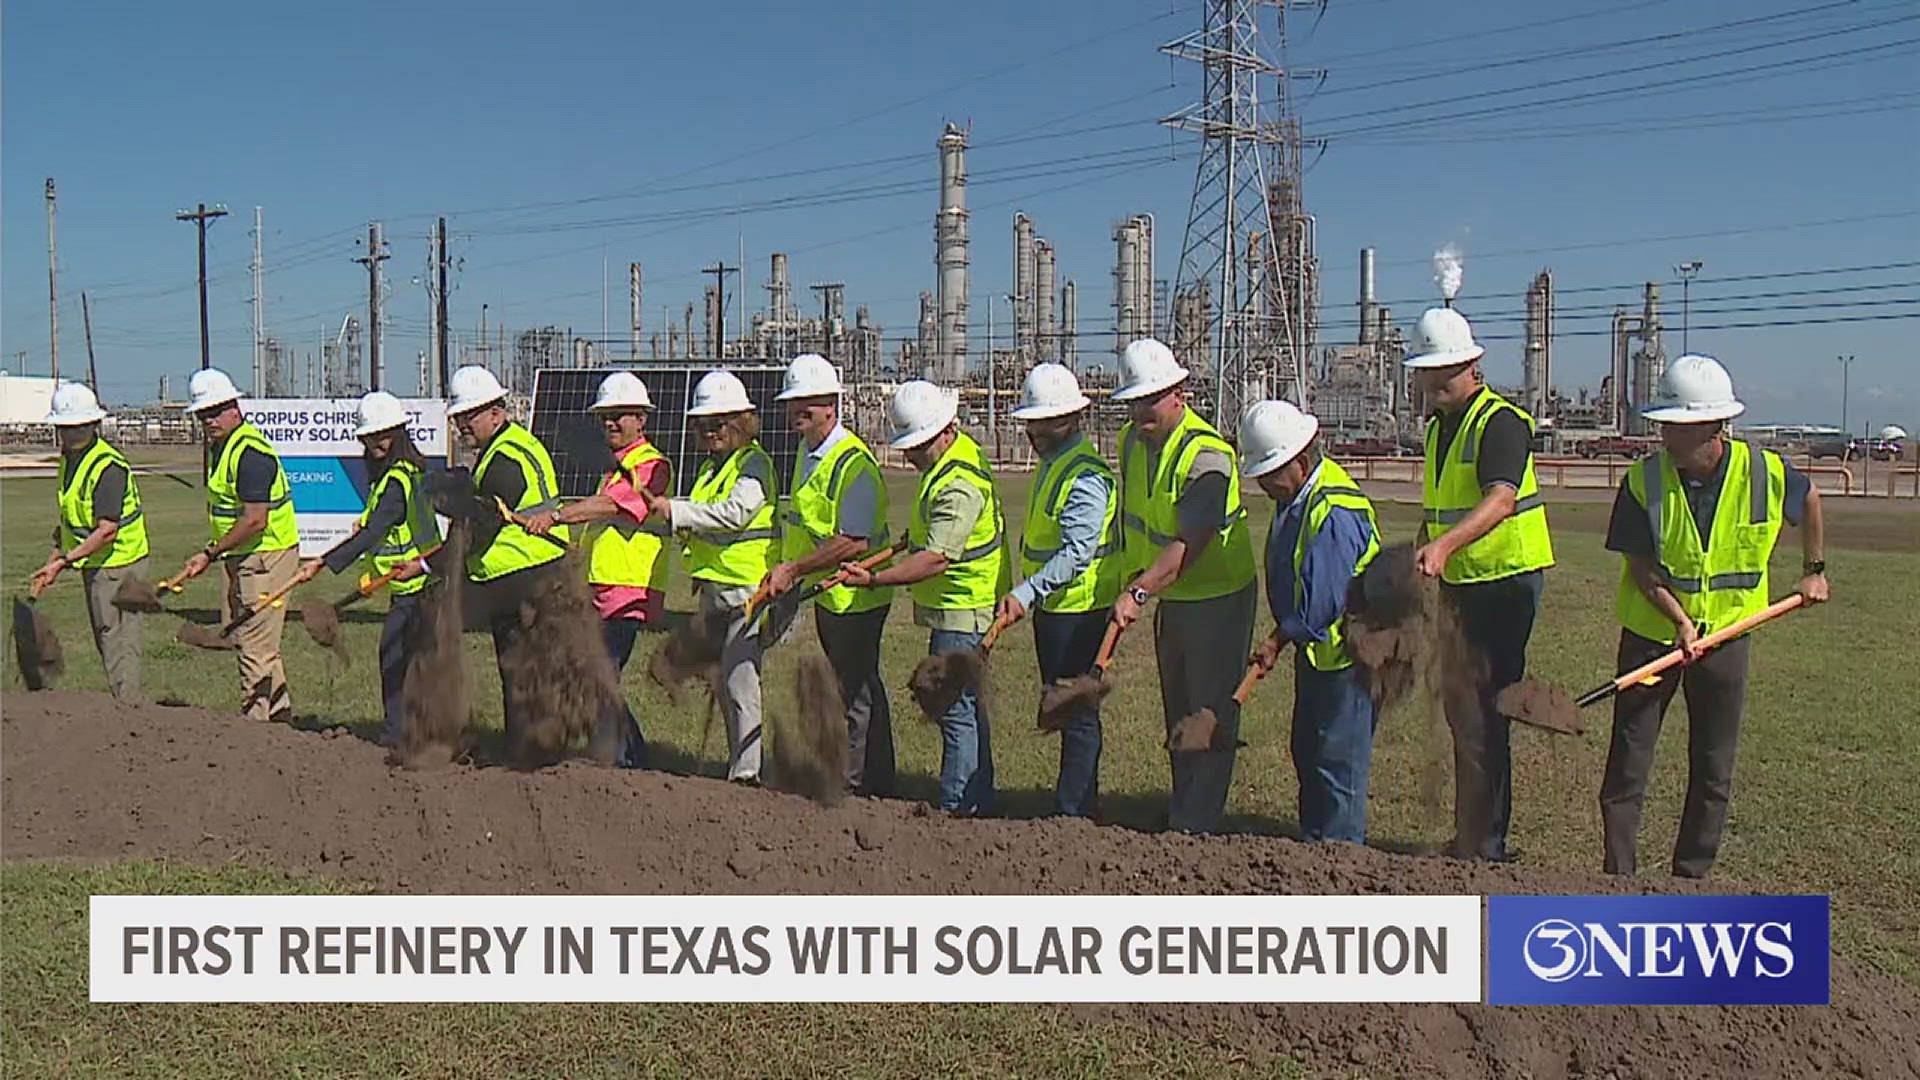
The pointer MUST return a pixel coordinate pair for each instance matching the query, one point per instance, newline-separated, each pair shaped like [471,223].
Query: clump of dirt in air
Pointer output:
[137,594]
[322,620]
[201,636]
[560,678]
[36,648]
[433,697]
[809,751]
[1199,732]
[1067,698]
[1541,704]
[939,679]
[691,654]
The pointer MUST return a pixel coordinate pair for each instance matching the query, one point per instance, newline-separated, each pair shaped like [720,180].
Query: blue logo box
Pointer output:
[1657,950]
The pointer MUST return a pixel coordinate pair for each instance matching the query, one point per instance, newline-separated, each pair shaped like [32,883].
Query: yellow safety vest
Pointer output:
[984,570]
[813,517]
[620,550]
[223,496]
[76,507]
[1334,488]
[1098,585]
[1727,581]
[514,548]
[1450,489]
[1150,488]
[411,535]
[737,556]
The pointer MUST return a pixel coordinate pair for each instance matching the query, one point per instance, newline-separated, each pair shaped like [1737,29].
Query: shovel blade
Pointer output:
[36,648]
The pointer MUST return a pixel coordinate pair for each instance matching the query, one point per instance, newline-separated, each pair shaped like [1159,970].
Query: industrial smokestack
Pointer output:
[633,309]
[1649,360]
[1537,358]
[780,289]
[1046,344]
[950,256]
[1366,296]
[1024,272]
[1070,325]
[926,328]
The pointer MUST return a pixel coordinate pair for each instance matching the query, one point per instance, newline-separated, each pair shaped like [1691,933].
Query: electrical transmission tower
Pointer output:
[1247,274]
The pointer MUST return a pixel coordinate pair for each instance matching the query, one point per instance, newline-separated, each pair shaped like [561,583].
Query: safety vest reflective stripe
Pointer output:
[223,497]
[409,537]
[1150,489]
[734,556]
[233,509]
[74,497]
[970,581]
[1450,490]
[1451,517]
[812,517]
[1335,489]
[513,548]
[622,551]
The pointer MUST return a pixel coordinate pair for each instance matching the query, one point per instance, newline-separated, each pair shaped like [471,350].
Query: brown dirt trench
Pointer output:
[87,779]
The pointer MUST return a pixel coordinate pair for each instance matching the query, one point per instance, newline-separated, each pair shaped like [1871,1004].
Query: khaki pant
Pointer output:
[263,676]
[116,633]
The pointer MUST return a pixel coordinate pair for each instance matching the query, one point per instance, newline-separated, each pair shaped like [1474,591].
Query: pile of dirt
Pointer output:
[326,803]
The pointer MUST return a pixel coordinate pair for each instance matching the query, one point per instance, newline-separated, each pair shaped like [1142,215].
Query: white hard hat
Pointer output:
[210,387]
[1694,389]
[73,405]
[1893,431]
[473,387]
[719,393]
[1050,391]
[809,375]
[1443,340]
[1146,368]
[919,411]
[622,391]
[1273,433]
[380,411]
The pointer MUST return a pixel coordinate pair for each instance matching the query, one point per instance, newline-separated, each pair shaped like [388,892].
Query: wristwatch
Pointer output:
[1814,566]
[1140,595]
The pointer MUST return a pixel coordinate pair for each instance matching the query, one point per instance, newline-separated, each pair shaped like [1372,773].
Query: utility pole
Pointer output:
[200,216]
[259,317]
[1846,368]
[440,304]
[53,296]
[86,320]
[1686,270]
[376,254]
[720,270]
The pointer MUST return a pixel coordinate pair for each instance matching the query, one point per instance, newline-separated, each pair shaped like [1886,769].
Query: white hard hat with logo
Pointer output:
[919,411]
[380,411]
[1694,389]
[621,391]
[473,387]
[719,393]
[809,375]
[1050,391]
[1273,433]
[1147,367]
[210,388]
[1443,339]
[73,405]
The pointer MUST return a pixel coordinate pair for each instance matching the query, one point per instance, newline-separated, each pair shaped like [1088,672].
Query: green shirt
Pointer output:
[951,516]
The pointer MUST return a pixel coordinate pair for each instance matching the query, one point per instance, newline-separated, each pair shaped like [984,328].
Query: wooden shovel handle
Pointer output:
[1255,672]
[373,585]
[993,632]
[172,584]
[1677,656]
[759,597]
[1107,643]
[839,577]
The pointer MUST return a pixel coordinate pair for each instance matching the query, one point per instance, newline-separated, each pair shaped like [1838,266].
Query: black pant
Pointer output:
[1067,644]
[852,644]
[1716,690]
[618,726]
[1496,618]
[397,638]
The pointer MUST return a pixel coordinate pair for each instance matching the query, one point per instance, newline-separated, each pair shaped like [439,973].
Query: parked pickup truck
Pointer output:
[1627,446]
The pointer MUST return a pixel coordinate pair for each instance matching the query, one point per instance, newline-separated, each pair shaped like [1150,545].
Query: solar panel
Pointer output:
[561,420]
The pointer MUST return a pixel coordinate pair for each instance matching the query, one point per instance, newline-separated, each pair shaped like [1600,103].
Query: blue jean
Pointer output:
[396,645]
[1067,644]
[1496,618]
[619,635]
[966,741]
[1333,724]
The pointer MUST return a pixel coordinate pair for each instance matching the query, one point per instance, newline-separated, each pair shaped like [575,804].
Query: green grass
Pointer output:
[1827,795]
[50,1029]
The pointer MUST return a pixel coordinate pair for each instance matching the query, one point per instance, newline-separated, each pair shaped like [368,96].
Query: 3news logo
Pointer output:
[1657,950]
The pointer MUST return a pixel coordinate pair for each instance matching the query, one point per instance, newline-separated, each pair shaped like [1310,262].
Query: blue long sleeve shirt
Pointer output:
[1082,513]
[1326,566]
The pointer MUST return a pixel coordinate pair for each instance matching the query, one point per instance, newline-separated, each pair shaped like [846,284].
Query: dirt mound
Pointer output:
[324,802]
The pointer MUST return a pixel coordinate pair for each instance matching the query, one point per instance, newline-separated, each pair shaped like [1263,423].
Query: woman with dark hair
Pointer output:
[395,531]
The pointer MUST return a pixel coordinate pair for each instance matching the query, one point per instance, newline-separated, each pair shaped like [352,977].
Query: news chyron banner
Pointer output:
[785,948]
[326,473]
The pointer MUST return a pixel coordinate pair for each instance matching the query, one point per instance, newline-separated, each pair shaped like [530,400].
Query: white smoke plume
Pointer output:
[1448,269]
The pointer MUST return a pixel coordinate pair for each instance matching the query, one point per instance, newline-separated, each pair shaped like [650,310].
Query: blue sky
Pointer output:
[557,136]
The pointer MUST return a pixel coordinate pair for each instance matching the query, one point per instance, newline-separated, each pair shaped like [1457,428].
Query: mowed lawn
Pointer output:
[1827,798]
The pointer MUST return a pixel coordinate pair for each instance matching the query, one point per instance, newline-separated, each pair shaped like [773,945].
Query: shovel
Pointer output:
[779,612]
[508,515]
[1649,673]
[1060,701]
[140,596]
[200,637]
[322,619]
[939,680]
[1201,730]
[36,648]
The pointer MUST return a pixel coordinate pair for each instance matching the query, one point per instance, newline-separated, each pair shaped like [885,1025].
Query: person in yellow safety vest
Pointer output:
[626,542]
[254,537]
[728,522]
[836,511]
[1323,535]
[505,562]
[1070,565]
[957,566]
[396,530]
[1186,542]
[1696,522]
[1485,537]
[100,514]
